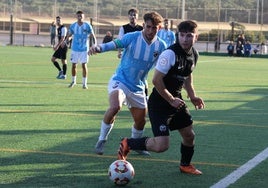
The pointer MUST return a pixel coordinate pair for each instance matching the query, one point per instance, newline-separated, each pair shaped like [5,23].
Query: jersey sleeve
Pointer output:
[165,61]
[127,39]
[121,32]
[63,31]
[173,37]
[71,29]
[90,29]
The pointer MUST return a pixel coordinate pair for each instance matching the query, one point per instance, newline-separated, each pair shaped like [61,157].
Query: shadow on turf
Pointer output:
[56,169]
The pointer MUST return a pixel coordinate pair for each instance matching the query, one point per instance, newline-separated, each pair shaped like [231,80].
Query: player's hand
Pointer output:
[198,103]
[55,48]
[63,45]
[119,55]
[94,50]
[177,103]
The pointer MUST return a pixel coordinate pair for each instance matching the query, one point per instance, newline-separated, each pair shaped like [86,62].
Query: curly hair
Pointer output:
[155,17]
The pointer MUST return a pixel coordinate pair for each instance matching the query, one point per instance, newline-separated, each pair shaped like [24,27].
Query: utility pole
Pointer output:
[96,16]
[261,12]
[183,10]
[257,12]
[218,39]
[11,23]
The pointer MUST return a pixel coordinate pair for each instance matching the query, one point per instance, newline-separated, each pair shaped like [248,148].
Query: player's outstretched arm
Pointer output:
[102,48]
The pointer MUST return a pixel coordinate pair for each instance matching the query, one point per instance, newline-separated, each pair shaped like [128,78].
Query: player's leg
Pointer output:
[56,64]
[63,55]
[187,151]
[187,145]
[159,143]
[116,98]
[84,59]
[156,144]
[139,117]
[84,75]
[64,69]
[74,71]
[74,60]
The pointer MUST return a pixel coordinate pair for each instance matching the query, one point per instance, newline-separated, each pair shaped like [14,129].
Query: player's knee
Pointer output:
[189,137]
[161,145]
[161,148]
[115,109]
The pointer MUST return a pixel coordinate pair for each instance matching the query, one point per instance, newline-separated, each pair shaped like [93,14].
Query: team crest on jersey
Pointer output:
[163,128]
[163,61]
[156,54]
[84,31]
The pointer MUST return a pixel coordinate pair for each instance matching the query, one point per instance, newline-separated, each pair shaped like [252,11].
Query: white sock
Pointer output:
[136,133]
[74,79]
[105,130]
[84,80]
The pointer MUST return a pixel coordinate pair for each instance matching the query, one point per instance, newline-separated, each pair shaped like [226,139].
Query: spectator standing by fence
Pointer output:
[52,31]
[217,45]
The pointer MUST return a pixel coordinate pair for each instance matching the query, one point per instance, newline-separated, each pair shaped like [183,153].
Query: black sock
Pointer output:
[186,154]
[64,68]
[137,143]
[56,64]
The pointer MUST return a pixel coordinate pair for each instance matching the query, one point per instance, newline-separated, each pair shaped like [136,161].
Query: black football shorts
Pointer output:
[164,120]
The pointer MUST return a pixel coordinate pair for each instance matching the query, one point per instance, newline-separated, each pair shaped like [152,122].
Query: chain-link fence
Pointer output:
[173,9]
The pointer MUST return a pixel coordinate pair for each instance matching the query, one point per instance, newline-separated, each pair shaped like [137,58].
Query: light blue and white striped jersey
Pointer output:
[137,59]
[80,36]
[167,35]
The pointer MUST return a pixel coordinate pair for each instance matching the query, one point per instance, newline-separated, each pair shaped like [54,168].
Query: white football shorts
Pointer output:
[79,57]
[133,99]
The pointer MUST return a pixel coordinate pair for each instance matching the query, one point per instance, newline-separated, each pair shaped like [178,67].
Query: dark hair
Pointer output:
[79,12]
[133,10]
[155,17]
[58,17]
[187,26]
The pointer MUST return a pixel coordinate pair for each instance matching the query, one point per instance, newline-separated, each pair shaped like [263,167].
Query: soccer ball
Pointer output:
[121,172]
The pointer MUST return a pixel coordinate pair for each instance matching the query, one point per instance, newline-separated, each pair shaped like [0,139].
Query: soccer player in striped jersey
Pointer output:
[80,32]
[60,49]
[141,51]
[166,34]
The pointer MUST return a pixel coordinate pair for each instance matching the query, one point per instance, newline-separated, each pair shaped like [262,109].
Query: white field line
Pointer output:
[242,170]
[47,82]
